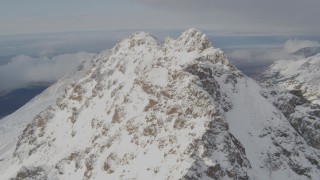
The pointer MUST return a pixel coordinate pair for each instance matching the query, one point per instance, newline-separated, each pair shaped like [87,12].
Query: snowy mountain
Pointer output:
[143,110]
[295,90]
[302,75]
[307,51]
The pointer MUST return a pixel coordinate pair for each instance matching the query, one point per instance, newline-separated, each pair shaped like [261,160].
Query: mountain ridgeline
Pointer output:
[145,110]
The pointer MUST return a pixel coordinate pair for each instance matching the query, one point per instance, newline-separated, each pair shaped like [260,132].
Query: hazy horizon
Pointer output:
[59,53]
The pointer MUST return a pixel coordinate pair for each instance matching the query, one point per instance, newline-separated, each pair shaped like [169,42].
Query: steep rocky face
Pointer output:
[302,114]
[174,111]
[295,90]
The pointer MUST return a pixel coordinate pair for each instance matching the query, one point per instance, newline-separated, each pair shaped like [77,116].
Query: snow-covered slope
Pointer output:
[294,87]
[300,74]
[12,125]
[174,111]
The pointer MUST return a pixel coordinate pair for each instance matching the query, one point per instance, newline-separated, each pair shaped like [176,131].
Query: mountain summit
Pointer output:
[143,110]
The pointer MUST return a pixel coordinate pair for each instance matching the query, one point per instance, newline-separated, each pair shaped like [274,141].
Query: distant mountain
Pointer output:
[300,75]
[307,52]
[143,110]
[295,87]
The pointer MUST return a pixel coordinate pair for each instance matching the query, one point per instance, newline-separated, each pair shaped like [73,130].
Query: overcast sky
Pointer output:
[235,16]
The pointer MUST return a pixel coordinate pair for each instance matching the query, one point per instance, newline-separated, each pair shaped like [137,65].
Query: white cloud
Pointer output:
[268,55]
[293,45]
[253,55]
[24,70]
[52,44]
[241,54]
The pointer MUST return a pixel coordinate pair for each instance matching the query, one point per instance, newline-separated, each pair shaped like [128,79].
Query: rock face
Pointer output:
[147,111]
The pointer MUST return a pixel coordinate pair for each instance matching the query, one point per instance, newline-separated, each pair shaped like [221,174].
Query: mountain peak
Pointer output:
[137,39]
[142,35]
[191,32]
[194,39]
[145,111]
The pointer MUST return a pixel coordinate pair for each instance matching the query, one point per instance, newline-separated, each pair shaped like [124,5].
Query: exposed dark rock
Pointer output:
[31,172]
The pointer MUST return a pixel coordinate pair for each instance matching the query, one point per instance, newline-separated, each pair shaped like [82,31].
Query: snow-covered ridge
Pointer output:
[12,125]
[295,88]
[300,74]
[143,110]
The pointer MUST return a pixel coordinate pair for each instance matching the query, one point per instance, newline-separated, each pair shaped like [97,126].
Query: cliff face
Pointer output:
[147,111]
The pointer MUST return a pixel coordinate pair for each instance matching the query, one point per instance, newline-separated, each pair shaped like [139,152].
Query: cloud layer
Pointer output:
[23,71]
[269,54]
[293,45]
[43,65]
